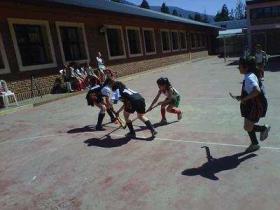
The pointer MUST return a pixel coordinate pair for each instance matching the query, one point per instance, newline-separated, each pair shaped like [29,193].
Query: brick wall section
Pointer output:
[23,87]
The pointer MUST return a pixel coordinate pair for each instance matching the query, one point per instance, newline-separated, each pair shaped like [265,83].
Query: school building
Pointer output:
[38,37]
[264,24]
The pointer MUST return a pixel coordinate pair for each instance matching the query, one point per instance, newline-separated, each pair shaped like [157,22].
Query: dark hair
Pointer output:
[250,63]
[118,85]
[163,81]
[89,99]
[108,81]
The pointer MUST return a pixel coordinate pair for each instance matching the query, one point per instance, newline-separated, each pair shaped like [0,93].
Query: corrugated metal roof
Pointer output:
[110,6]
[233,24]
[230,33]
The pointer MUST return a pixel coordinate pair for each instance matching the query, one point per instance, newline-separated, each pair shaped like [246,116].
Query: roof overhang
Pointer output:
[231,33]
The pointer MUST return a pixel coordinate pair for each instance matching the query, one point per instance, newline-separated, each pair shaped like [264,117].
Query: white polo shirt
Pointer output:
[251,82]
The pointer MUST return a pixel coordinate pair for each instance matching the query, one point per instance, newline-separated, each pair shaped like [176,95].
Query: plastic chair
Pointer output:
[5,93]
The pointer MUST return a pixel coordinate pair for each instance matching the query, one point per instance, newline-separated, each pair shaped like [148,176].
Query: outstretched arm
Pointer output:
[168,99]
[154,101]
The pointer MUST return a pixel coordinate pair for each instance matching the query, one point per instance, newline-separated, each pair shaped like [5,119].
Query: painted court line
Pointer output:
[158,139]
[203,142]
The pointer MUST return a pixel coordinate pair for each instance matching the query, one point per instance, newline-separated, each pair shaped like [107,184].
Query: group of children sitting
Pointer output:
[103,96]
[78,77]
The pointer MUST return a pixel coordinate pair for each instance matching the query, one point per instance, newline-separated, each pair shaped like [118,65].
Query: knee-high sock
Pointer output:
[149,125]
[259,128]
[163,113]
[100,119]
[130,127]
[174,111]
[253,137]
[110,113]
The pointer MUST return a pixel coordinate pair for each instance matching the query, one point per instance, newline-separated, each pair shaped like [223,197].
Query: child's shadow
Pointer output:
[209,169]
[108,142]
[156,125]
[87,128]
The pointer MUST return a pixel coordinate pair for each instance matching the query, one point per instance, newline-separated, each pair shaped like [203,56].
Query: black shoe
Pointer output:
[99,128]
[253,148]
[131,135]
[154,133]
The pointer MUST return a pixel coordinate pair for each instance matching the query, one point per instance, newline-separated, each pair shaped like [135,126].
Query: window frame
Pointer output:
[178,40]
[193,40]
[140,40]
[154,40]
[4,57]
[45,23]
[59,24]
[185,37]
[170,47]
[123,43]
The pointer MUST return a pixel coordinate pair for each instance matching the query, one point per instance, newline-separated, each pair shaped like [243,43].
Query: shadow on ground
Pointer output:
[108,142]
[88,128]
[156,125]
[233,63]
[215,165]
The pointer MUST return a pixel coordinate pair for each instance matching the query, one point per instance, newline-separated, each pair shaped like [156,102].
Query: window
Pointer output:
[165,41]
[115,42]
[33,44]
[197,40]
[4,66]
[73,43]
[149,41]
[275,11]
[202,43]
[175,41]
[183,40]
[134,41]
[266,12]
[193,40]
[203,38]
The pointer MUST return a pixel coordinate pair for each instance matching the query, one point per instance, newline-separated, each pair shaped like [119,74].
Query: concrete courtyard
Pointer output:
[51,158]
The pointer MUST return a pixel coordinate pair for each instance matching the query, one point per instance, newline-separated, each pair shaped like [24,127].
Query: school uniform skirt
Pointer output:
[254,109]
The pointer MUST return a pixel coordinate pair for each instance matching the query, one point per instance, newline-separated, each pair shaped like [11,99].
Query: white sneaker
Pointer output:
[264,134]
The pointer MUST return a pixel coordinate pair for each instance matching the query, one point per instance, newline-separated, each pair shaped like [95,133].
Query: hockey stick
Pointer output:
[233,97]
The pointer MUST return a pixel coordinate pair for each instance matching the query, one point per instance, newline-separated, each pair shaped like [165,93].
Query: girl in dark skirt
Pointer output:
[133,102]
[253,104]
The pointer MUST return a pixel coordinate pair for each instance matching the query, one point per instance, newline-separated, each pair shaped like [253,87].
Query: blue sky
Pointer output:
[211,6]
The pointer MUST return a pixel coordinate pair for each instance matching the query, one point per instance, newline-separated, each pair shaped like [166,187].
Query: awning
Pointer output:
[231,33]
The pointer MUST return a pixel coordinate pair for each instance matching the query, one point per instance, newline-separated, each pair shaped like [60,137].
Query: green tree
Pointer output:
[175,13]
[222,15]
[191,17]
[205,17]
[145,4]
[197,17]
[164,8]
[240,10]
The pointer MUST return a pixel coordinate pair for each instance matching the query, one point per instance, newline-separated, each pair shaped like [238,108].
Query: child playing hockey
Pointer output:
[100,96]
[171,103]
[133,102]
[253,102]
